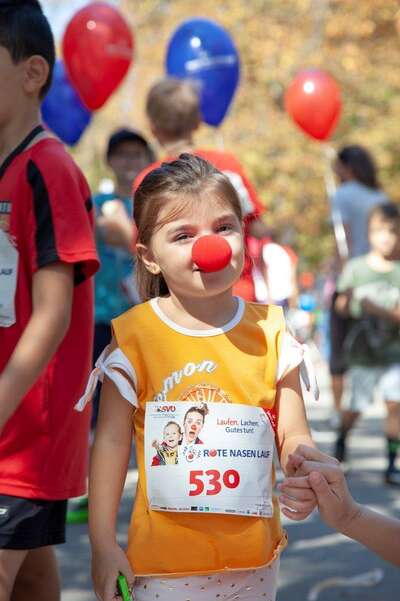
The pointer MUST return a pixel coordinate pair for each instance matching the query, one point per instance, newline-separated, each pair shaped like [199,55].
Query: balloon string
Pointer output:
[219,139]
[330,187]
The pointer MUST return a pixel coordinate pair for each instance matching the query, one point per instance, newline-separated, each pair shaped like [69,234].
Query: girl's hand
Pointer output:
[106,567]
[325,477]
[298,499]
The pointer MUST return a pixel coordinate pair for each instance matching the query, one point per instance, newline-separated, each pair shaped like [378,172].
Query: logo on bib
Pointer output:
[204,393]
[176,377]
[166,409]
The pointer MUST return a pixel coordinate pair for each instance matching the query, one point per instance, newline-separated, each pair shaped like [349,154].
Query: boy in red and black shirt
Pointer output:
[47,256]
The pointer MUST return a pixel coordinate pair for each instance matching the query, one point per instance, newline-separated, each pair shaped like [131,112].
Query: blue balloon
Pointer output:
[62,110]
[307,302]
[201,50]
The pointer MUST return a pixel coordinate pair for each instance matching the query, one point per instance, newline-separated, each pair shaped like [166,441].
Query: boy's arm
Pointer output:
[342,302]
[52,290]
[115,227]
[372,309]
[345,289]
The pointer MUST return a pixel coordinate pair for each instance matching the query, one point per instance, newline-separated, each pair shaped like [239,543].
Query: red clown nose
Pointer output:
[211,253]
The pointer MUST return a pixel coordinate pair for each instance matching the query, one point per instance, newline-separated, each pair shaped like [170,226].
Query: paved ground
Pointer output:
[315,553]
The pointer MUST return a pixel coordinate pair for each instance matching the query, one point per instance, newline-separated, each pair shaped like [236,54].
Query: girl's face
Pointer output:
[193,424]
[170,249]
[172,436]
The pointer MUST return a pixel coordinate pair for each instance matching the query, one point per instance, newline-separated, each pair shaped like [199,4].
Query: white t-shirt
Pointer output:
[279,284]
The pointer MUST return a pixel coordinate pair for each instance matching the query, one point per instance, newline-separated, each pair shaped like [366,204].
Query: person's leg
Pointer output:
[38,578]
[347,420]
[337,389]
[358,395]
[392,430]
[28,530]
[390,388]
[10,563]
[338,329]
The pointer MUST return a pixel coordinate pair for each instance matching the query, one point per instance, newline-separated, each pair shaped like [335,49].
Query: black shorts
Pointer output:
[31,523]
[338,329]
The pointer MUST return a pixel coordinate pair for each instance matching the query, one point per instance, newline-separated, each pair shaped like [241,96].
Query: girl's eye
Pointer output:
[181,237]
[225,227]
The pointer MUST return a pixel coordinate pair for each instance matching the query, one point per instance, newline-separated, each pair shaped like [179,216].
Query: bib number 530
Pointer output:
[209,481]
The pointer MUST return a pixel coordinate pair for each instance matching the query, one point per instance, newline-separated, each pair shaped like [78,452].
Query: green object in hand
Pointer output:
[123,588]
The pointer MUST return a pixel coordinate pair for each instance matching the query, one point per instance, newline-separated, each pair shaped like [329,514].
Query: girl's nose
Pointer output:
[211,253]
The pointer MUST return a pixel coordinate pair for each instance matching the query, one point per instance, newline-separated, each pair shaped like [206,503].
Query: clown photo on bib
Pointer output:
[210,457]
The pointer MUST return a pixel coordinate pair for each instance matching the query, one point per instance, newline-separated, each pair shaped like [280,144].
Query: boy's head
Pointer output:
[127,154]
[384,230]
[173,108]
[172,435]
[27,49]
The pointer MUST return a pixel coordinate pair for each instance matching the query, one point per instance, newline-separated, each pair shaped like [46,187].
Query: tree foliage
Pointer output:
[357,42]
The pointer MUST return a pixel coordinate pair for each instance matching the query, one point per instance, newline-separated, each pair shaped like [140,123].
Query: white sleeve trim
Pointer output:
[294,354]
[108,365]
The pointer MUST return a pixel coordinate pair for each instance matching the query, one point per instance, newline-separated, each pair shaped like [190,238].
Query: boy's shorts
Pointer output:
[362,382]
[31,523]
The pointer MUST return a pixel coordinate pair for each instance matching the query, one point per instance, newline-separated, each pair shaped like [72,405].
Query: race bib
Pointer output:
[209,458]
[8,280]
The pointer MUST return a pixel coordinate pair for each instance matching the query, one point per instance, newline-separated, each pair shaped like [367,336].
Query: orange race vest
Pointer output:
[244,360]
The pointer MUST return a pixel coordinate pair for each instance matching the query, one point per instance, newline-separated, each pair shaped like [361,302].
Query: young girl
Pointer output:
[208,527]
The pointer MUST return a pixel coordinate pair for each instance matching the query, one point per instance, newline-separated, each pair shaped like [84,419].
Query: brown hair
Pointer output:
[173,107]
[387,211]
[189,178]
[172,423]
[202,409]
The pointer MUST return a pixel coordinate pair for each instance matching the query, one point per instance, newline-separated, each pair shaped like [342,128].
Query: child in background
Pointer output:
[357,193]
[369,291]
[114,289]
[191,321]
[128,153]
[173,109]
[47,255]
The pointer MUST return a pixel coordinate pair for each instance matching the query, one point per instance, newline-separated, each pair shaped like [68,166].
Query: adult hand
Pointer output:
[324,476]
[106,567]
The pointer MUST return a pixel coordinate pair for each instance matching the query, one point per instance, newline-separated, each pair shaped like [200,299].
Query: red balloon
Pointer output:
[211,253]
[97,49]
[313,101]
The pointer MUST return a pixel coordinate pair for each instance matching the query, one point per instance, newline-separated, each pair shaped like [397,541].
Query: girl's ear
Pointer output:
[146,256]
